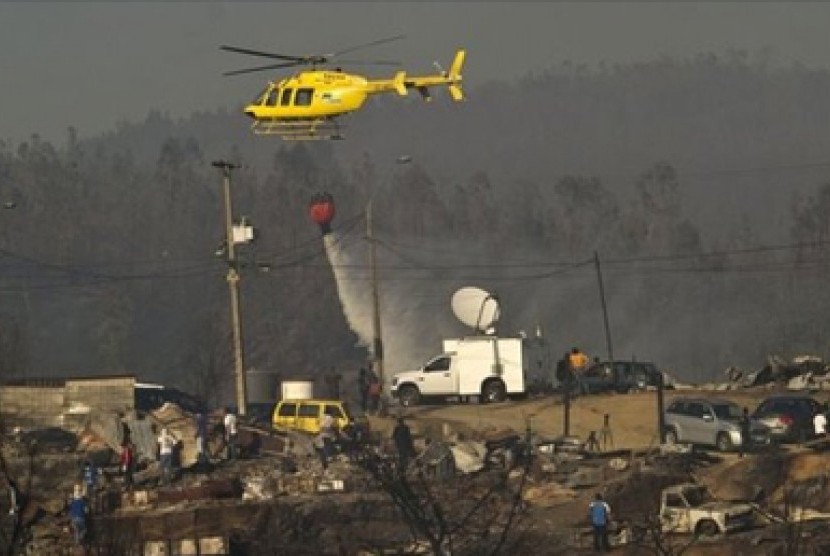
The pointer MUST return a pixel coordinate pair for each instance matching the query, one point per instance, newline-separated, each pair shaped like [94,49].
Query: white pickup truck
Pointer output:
[486,367]
[689,508]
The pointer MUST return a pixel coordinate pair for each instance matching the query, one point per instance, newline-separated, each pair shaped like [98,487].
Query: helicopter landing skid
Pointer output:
[299,130]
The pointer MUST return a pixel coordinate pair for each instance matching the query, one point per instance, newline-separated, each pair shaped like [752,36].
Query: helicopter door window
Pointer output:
[303,97]
[285,98]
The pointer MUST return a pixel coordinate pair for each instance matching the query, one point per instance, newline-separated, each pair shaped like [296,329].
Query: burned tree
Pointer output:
[473,514]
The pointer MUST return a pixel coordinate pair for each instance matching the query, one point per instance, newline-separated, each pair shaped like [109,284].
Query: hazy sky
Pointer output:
[92,64]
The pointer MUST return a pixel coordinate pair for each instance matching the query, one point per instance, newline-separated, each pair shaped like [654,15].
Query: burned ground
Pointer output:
[278,501]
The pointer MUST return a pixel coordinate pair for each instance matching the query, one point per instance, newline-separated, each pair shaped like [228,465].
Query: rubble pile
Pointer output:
[48,463]
[277,497]
[804,372]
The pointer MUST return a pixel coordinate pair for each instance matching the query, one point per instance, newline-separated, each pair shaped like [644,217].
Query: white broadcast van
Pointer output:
[488,368]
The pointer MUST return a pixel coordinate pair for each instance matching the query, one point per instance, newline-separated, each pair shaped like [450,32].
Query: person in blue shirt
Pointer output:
[78,512]
[600,514]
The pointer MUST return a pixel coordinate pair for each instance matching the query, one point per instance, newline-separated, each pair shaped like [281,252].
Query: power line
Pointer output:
[559,267]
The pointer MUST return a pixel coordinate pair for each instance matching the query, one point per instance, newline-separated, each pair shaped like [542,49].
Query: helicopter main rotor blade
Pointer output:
[369,62]
[367,45]
[262,68]
[260,53]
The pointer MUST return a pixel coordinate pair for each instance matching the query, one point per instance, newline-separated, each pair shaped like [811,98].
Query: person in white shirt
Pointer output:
[326,438]
[167,442]
[231,433]
[820,423]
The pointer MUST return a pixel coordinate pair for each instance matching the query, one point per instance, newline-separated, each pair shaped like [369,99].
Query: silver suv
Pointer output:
[710,422]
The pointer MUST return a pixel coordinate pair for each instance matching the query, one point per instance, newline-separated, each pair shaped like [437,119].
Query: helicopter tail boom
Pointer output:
[401,82]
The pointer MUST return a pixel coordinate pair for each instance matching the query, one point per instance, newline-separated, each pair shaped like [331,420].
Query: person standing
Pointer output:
[78,512]
[599,513]
[363,388]
[578,360]
[90,478]
[353,439]
[231,433]
[126,461]
[563,371]
[327,438]
[374,394]
[167,442]
[402,436]
[820,422]
[15,504]
[201,439]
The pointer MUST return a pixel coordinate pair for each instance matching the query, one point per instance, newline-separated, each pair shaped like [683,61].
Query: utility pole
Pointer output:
[233,287]
[608,344]
[377,333]
[377,336]
[566,408]
[661,417]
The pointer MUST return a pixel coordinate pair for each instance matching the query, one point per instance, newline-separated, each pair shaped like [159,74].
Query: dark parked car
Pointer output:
[619,376]
[789,417]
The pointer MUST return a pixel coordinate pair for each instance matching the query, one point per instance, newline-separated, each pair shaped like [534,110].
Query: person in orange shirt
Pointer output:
[578,360]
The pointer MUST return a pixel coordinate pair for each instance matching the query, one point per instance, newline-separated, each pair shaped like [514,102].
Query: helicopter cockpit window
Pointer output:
[262,96]
[285,99]
[272,98]
[303,97]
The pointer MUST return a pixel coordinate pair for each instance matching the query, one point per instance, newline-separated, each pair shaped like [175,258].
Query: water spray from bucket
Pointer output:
[352,300]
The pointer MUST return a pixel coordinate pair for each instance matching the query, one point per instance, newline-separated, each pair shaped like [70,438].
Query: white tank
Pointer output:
[297,389]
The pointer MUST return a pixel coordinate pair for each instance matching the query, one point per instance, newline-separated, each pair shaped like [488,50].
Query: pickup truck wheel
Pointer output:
[723,442]
[671,436]
[707,528]
[409,395]
[493,391]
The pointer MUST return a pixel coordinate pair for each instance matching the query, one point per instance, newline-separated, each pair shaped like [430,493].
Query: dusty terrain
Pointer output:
[633,417]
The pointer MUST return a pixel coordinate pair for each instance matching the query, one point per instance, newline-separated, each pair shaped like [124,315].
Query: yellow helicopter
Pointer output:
[307,104]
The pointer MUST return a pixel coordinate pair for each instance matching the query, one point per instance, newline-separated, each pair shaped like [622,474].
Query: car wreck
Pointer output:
[690,508]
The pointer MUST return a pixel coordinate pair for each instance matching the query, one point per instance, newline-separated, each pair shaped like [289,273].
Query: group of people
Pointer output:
[168,443]
[79,506]
[349,440]
[332,438]
[369,390]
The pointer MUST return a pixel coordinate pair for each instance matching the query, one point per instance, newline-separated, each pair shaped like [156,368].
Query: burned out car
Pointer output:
[689,508]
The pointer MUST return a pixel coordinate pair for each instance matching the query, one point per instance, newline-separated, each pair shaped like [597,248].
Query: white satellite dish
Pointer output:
[476,308]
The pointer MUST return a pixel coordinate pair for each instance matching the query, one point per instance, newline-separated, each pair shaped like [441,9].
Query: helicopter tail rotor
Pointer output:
[454,76]
[399,81]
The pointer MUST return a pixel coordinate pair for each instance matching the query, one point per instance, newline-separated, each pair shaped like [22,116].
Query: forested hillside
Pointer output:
[702,184]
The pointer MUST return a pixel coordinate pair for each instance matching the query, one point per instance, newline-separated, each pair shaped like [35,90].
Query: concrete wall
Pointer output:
[32,406]
[64,403]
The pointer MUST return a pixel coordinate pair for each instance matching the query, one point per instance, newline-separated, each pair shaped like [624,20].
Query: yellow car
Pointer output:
[305,415]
